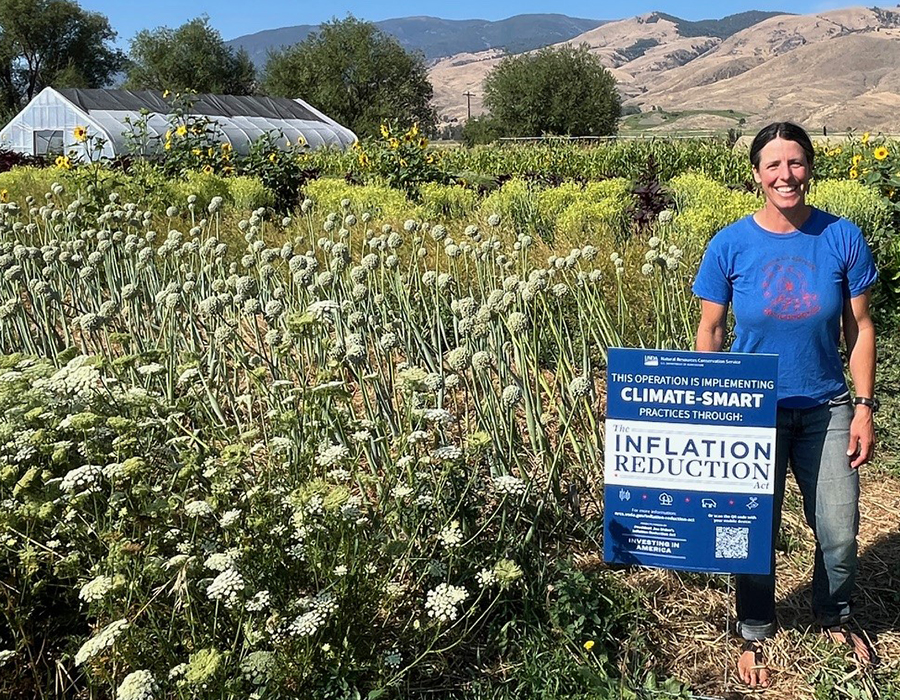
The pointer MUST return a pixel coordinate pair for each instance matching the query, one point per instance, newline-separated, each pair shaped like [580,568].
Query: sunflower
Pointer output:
[4,195]
[181,130]
[63,162]
[80,134]
[272,157]
[880,153]
[301,140]
[166,93]
[394,144]
[385,132]
[854,173]
[208,169]
[864,139]
[226,147]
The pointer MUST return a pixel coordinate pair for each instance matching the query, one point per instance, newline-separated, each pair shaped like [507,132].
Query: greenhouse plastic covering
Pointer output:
[240,119]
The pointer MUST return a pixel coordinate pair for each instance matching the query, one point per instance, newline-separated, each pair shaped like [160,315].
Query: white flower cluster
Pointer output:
[331,455]
[6,655]
[230,517]
[321,608]
[138,685]
[226,587]
[101,641]
[259,602]
[447,453]
[441,601]
[197,509]
[96,589]
[85,479]
[258,666]
[451,536]
[77,379]
[486,578]
[221,561]
[509,485]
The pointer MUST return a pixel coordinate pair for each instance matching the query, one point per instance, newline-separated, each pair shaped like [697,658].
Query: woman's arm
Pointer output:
[711,330]
[859,334]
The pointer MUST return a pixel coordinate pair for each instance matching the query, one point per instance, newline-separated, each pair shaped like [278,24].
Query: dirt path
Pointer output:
[692,609]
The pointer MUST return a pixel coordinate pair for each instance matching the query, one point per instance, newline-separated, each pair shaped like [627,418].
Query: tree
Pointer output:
[191,57]
[562,91]
[52,42]
[356,74]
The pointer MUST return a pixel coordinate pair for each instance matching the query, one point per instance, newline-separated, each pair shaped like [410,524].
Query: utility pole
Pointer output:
[468,95]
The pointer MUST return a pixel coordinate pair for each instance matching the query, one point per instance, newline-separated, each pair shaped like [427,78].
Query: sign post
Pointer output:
[690,460]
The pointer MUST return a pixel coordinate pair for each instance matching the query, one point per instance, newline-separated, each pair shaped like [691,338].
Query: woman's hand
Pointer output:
[862,437]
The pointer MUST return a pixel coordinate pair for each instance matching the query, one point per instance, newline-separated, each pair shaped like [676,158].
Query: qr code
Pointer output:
[732,542]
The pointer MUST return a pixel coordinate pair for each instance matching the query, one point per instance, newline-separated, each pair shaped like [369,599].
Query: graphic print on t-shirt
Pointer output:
[786,289]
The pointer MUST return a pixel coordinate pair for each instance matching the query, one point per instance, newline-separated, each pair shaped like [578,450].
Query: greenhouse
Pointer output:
[47,124]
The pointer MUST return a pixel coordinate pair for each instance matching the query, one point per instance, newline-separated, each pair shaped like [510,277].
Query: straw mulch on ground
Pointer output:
[695,631]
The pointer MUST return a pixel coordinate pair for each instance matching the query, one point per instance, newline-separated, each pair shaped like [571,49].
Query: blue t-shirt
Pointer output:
[787,291]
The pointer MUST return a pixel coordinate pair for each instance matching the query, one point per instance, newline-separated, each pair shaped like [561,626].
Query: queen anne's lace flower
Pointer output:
[331,455]
[85,478]
[509,485]
[101,641]
[451,536]
[259,602]
[138,685]
[486,578]
[96,589]
[258,667]
[441,601]
[226,587]
[197,509]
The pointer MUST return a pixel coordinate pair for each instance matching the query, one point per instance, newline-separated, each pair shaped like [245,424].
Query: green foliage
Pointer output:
[204,186]
[356,74]
[553,91]
[329,195]
[860,203]
[192,57]
[29,181]
[248,193]
[591,213]
[53,42]
[482,130]
[447,202]
[517,206]
[398,157]
[703,206]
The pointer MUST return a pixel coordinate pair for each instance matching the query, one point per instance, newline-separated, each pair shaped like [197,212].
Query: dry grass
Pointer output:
[695,619]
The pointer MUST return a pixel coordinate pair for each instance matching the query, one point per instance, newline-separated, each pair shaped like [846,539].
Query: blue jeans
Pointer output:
[813,441]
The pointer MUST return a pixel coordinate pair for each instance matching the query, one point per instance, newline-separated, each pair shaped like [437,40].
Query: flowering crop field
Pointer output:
[345,453]
[338,460]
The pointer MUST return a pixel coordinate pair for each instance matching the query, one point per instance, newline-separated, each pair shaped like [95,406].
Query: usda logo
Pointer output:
[651,360]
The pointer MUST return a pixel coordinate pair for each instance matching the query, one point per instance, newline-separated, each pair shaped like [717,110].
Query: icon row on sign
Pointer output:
[666,499]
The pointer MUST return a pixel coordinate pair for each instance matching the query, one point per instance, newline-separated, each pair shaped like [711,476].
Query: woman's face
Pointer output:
[783,173]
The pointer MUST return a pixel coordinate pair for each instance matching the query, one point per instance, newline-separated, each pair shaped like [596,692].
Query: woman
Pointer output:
[794,276]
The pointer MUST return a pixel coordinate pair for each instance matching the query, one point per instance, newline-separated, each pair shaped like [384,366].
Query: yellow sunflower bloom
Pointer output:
[414,130]
[385,132]
[63,162]
[226,147]
[208,169]
[166,93]
[837,151]
[403,162]
[857,158]
[168,145]
[394,144]
[272,158]
[168,134]
[864,139]
[854,173]
[4,195]
[588,645]
[80,133]
[301,141]
[196,151]
[181,130]
[423,143]
[880,153]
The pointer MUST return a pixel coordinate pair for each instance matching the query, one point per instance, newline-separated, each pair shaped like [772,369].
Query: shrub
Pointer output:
[859,203]
[204,186]
[249,193]
[379,200]
[703,206]
[516,204]
[447,201]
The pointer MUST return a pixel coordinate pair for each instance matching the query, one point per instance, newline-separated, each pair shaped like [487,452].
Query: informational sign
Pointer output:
[690,460]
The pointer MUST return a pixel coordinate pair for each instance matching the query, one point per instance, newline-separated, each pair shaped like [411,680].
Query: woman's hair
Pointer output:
[781,130]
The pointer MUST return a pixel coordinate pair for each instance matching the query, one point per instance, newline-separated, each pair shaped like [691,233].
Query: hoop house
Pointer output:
[46,125]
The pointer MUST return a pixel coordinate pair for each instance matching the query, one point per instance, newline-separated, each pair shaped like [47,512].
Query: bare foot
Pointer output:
[752,668]
[862,651]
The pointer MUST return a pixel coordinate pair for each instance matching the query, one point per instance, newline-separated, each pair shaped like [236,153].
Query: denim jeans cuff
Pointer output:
[756,629]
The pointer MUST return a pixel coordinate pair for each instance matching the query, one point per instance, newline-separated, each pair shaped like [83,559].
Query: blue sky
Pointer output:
[234,18]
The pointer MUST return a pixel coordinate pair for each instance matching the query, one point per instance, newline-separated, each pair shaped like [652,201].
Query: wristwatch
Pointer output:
[872,403]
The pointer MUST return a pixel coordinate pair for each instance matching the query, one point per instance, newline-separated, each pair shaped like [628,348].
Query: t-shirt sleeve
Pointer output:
[860,271]
[713,280]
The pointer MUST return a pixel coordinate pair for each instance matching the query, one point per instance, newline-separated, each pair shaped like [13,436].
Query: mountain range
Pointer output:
[436,38]
[838,69]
